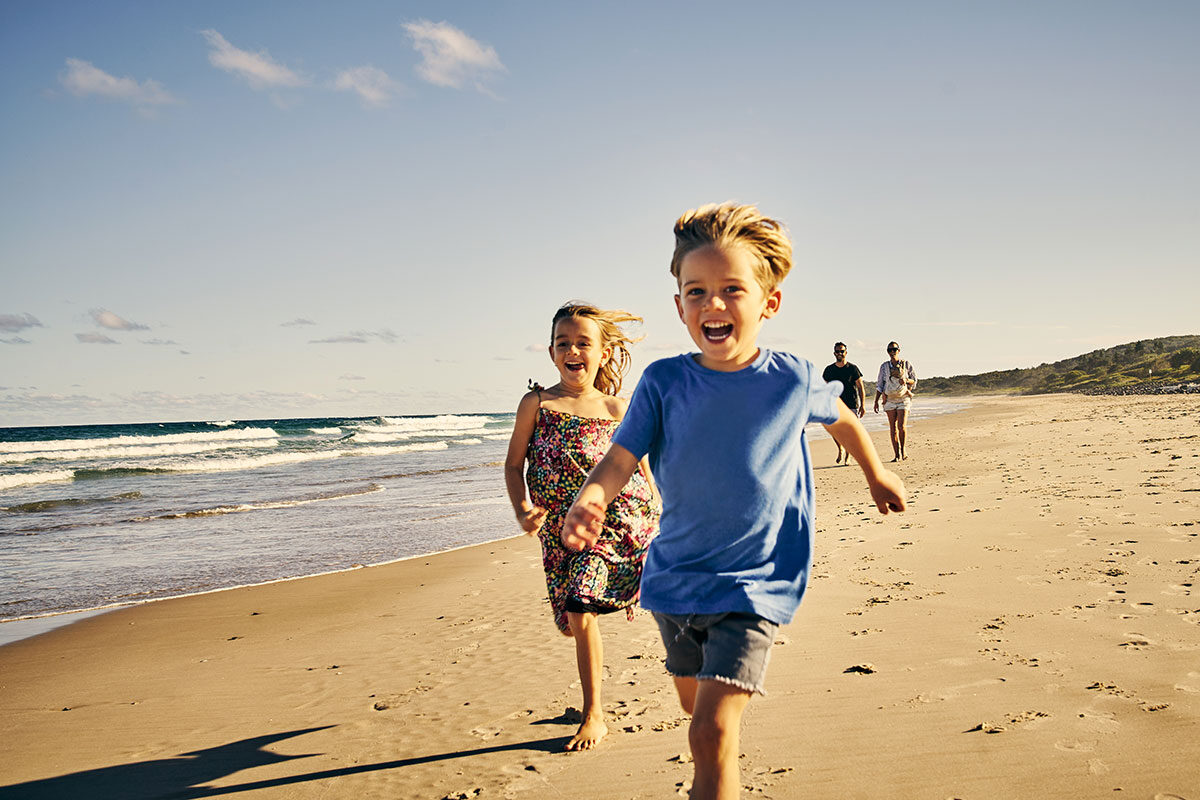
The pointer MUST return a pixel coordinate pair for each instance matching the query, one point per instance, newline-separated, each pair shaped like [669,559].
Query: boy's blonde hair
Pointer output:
[612,372]
[728,225]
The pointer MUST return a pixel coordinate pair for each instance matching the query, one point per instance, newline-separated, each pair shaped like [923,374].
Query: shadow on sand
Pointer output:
[184,776]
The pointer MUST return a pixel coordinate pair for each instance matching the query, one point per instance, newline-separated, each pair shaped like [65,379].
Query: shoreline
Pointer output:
[1035,606]
[83,613]
[19,627]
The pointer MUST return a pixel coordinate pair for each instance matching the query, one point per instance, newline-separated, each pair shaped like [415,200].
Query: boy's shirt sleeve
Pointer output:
[822,399]
[640,427]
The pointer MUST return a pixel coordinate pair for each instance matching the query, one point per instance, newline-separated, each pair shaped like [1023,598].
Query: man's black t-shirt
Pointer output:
[848,375]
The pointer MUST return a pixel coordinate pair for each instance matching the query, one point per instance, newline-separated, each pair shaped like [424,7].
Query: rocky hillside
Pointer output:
[1146,366]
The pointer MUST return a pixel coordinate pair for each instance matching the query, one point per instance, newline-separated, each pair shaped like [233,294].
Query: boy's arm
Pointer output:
[887,490]
[581,528]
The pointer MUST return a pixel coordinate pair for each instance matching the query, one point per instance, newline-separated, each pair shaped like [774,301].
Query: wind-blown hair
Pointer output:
[612,372]
[730,225]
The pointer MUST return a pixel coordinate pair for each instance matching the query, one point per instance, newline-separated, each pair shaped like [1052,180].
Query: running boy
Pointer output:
[724,429]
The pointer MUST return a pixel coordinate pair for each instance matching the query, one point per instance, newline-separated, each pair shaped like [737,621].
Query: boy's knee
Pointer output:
[708,735]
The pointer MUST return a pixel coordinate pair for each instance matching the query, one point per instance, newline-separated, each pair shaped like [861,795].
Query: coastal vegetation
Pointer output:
[1145,365]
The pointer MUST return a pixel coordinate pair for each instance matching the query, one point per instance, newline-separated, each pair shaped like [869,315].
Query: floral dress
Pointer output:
[606,577]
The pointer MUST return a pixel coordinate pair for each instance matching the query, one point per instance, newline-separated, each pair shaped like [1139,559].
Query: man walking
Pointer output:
[852,388]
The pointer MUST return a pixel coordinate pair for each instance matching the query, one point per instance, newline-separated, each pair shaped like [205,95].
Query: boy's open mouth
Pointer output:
[717,331]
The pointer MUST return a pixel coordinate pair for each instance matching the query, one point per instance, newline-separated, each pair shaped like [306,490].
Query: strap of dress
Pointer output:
[534,386]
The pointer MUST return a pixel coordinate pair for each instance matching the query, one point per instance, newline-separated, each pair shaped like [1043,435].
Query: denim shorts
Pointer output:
[733,648]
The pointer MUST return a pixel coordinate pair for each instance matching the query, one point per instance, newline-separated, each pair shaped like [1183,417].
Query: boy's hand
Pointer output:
[582,526]
[887,490]
[531,519]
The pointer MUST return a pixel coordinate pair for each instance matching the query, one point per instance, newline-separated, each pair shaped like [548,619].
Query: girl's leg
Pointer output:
[589,655]
[715,736]
[902,426]
[891,415]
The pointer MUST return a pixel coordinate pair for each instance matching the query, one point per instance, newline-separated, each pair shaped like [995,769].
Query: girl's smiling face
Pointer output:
[723,306]
[578,352]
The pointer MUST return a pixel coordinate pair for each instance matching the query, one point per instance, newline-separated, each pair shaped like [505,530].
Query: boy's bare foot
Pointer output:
[589,734]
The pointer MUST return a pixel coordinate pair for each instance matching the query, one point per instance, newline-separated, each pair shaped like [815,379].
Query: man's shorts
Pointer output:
[733,648]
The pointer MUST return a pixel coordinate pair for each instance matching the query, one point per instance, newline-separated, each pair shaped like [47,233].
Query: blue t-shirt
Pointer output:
[730,457]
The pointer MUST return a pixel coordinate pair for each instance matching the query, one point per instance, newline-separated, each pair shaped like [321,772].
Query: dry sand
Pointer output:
[1030,628]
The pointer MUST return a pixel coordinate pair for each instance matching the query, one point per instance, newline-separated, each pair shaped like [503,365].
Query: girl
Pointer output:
[562,432]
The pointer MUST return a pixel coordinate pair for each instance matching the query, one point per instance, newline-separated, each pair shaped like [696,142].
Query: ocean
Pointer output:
[96,516]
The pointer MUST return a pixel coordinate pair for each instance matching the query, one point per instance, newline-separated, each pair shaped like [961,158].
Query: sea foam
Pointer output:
[239,435]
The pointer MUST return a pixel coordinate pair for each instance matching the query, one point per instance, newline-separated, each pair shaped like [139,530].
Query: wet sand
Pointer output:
[1030,628]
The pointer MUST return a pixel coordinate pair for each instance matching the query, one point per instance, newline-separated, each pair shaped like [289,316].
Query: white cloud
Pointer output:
[345,339]
[95,338]
[359,337]
[450,57]
[107,319]
[82,78]
[373,85]
[296,323]
[160,342]
[258,69]
[349,377]
[16,340]
[384,335]
[18,322]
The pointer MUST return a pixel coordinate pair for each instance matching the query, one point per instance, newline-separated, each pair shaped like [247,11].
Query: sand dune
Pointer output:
[1030,628]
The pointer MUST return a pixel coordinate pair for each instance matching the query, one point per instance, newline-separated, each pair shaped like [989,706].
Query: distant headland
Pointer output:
[1168,365]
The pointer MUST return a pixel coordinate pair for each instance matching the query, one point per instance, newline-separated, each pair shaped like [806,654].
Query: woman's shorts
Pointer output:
[896,405]
[733,648]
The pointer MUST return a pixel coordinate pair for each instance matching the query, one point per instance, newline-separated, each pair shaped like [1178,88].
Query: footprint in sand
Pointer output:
[1010,721]
[1101,722]
[1075,745]
[1190,684]
[486,732]
[465,794]
[955,691]
[1136,641]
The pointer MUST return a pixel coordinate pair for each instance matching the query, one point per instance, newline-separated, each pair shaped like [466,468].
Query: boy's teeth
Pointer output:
[717,331]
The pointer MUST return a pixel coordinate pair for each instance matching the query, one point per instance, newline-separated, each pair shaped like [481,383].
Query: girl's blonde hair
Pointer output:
[728,225]
[612,372]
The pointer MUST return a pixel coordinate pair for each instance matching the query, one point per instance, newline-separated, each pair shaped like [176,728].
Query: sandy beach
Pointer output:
[1029,628]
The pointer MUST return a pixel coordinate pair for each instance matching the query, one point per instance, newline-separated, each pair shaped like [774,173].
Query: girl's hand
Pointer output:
[531,519]
[582,526]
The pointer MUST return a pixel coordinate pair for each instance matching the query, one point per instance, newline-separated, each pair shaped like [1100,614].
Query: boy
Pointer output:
[724,429]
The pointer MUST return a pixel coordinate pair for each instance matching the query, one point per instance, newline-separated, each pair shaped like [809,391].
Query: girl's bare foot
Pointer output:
[589,734]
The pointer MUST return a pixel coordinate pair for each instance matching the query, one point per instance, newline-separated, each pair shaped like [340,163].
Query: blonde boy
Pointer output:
[724,430]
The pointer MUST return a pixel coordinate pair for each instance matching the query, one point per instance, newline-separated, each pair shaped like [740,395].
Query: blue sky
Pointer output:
[235,210]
